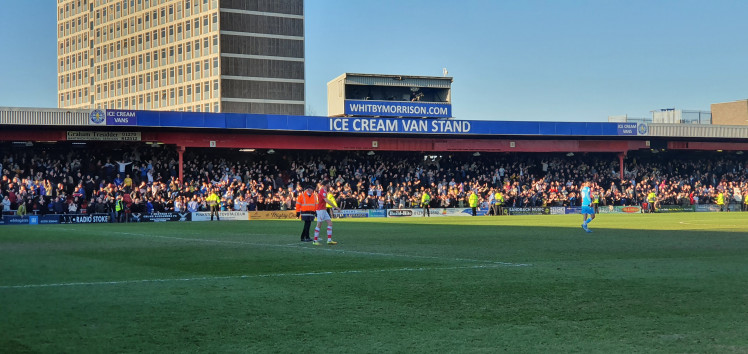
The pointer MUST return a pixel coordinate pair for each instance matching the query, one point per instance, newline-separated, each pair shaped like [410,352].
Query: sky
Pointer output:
[529,60]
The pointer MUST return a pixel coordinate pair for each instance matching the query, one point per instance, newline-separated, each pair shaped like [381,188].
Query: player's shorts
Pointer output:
[322,215]
[588,210]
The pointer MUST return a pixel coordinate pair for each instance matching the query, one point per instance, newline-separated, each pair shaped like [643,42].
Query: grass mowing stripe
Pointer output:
[298,246]
[120,282]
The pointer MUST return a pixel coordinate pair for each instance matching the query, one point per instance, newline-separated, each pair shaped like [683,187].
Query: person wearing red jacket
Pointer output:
[322,216]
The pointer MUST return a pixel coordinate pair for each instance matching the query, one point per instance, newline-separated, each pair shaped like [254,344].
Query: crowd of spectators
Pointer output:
[142,179]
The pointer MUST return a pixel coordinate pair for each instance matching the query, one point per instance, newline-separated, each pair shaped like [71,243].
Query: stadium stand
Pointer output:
[62,179]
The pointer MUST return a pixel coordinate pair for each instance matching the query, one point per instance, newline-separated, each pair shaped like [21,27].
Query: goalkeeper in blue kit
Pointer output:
[587,207]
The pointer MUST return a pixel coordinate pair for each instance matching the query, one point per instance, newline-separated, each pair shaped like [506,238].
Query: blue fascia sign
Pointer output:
[366,125]
[397,109]
[120,117]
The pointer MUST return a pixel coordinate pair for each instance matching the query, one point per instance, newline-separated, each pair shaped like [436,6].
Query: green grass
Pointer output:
[639,283]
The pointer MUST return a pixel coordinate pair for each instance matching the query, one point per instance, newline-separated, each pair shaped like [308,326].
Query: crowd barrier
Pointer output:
[345,213]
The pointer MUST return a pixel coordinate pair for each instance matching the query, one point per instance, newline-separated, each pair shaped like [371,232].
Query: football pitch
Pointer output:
[638,283]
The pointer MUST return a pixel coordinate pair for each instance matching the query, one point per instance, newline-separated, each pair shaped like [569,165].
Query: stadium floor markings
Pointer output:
[245,276]
[298,246]
[709,226]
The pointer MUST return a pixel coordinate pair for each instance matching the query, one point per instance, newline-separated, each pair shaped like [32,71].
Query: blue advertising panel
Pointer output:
[15,220]
[85,218]
[351,213]
[397,109]
[30,219]
[49,219]
[377,213]
[368,125]
[120,117]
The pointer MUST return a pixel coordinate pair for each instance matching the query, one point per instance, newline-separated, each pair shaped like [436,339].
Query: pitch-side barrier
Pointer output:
[345,213]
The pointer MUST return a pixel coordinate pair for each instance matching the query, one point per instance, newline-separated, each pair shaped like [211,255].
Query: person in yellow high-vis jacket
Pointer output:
[334,205]
[473,202]
[596,201]
[499,203]
[213,201]
[651,200]
[425,201]
[720,200]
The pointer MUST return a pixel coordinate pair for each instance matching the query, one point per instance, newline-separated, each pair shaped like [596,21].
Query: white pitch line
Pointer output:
[298,246]
[709,226]
[270,275]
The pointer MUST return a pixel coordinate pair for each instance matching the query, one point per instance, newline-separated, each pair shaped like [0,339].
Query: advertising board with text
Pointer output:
[223,215]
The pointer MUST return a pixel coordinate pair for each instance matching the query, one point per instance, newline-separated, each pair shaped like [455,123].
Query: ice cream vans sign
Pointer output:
[628,129]
[119,117]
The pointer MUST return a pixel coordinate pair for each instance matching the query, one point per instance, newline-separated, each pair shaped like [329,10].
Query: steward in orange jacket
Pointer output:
[306,210]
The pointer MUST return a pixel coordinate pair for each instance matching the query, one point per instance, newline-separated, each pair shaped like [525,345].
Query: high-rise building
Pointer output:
[243,56]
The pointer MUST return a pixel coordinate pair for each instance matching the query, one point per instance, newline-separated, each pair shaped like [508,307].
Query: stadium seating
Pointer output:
[66,180]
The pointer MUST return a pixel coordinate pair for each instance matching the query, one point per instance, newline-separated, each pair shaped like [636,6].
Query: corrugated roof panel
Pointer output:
[405,82]
[21,116]
[698,131]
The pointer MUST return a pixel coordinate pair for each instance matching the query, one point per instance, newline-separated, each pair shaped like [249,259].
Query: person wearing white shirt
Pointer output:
[5,204]
[240,204]
[122,166]
[192,205]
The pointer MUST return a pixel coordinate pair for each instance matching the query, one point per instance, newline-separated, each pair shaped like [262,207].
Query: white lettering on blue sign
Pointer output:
[129,114]
[415,126]
[398,109]
[627,128]
[383,125]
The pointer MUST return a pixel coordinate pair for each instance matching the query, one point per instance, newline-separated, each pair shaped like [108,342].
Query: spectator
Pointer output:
[5,205]
[21,209]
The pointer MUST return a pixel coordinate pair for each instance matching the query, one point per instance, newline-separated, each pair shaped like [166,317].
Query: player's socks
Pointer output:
[316,234]
[329,233]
